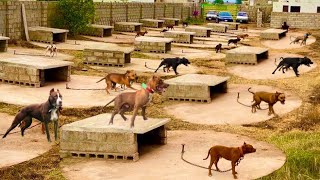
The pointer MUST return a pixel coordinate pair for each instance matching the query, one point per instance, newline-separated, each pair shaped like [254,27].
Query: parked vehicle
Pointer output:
[242,17]
[225,16]
[211,15]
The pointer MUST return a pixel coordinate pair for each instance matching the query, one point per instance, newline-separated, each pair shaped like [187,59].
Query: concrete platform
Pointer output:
[98,30]
[216,27]
[199,30]
[127,26]
[154,23]
[246,55]
[33,71]
[273,34]
[164,162]
[152,44]
[47,35]
[195,87]
[180,36]
[224,108]
[264,69]
[171,21]
[108,55]
[15,149]
[232,25]
[284,43]
[3,43]
[94,138]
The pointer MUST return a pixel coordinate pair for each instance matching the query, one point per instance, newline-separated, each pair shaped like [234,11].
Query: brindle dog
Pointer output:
[303,39]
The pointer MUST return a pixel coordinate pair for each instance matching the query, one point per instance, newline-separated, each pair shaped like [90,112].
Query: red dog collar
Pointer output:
[149,90]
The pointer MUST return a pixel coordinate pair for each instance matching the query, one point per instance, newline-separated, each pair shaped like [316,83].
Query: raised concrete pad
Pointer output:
[195,87]
[115,38]
[154,23]
[152,44]
[3,43]
[164,162]
[171,21]
[199,30]
[15,149]
[264,69]
[127,26]
[93,137]
[246,55]
[98,30]
[284,43]
[273,34]
[231,25]
[216,27]
[47,35]
[224,108]
[180,36]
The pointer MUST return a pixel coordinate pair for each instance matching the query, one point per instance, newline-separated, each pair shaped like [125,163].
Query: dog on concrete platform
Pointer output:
[233,154]
[234,41]
[172,62]
[185,24]
[243,36]
[170,26]
[45,112]
[218,48]
[163,30]
[303,39]
[133,101]
[293,62]
[52,49]
[270,98]
[141,33]
[113,79]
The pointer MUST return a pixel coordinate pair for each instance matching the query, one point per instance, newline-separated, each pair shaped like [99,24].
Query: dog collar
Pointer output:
[241,151]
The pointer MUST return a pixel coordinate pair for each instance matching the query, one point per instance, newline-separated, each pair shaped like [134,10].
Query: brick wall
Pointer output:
[159,10]
[3,7]
[169,10]
[134,12]
[147,10]
[296,20]
[252,12]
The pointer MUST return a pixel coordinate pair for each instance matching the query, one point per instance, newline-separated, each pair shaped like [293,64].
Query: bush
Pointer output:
[74,15]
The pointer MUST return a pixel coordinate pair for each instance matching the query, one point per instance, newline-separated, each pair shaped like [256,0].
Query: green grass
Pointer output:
[195,21]
[303,155]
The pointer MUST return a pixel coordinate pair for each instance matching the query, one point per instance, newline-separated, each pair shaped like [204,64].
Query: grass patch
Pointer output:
[141,55]
[195,21]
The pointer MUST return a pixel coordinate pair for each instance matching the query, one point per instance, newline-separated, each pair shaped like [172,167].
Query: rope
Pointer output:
[145,65]
[248,105]
[182,152]
[67,87]
[19,131]
[15,53]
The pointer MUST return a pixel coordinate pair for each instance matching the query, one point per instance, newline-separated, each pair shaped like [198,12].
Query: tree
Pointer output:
[238,1]
[218,2]
[74,15]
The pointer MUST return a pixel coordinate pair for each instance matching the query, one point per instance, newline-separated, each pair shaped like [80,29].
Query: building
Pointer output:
[301,6]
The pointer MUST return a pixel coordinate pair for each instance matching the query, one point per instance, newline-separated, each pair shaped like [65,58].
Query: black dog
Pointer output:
[218,48]
[293,62]
[173,62]
[45,112]
[163,30]
[234,41]
[185,24]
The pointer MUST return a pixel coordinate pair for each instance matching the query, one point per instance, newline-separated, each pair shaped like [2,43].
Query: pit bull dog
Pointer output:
[232,154]
[234,41]
[45,112]
[170,26]
[52,49]
[133,101]
[293,62]
[172,62]
[123,79]
[218,48]
[141,33]
[270,98]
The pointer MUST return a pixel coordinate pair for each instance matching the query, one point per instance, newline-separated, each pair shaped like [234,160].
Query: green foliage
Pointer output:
[74,15]
[218,2]
[195,21]
[238,1]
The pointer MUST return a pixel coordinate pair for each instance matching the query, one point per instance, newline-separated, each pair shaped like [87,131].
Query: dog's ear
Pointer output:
[244,143]
[51,91]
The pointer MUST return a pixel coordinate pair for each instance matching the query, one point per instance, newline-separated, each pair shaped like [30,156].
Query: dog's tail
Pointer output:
[208,154]
[250,91]
[275,60]
[109,102]
[101,79]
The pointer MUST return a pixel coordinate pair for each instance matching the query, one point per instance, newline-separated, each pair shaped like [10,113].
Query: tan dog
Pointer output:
[232,154]
[244,28]
[141,33]
[243,36]
[133,101]
[270,98]
[123,79]
[303,39]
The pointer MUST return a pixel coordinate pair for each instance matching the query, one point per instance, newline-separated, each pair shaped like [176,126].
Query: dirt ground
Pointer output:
[223,107]
[284,43]
[163,161]
[264,69]
[16,149]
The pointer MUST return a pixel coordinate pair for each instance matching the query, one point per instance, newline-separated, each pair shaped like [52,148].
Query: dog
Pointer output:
[270,98]
[172,62]
[52,49]
[163,30]
[185,24]
[170,26]
[285,26]
[303,39]
[24,123]
[133,101]
[234,41]
[123,79]
[243,36]
[293,62]
[218,48]
[232,154]
[45,112]
[141,33]
[244,28]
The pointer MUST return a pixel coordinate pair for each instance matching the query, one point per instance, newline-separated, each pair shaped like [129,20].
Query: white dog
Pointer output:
[52,49]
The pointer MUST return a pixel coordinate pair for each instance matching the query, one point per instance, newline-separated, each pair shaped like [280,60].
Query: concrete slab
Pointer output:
[153,39]
[152,44]
[3,38]
[3,43]
[155,23]
[171,21]
[180,36]
[47,29]
[224,108]
[47,35]
[127,26]
[273,34]
[197,79]
[232,25]
[15,149]
[284,43]
[264,69]
[164,162]
[199,30]
[246,55]
[98,30]
[216,27]
[115,38]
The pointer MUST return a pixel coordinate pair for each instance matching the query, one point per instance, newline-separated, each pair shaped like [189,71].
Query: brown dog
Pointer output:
[170,26]
[270,98]
[141,33]
[303,39]
[244,28]
[243,36]
[133,101]
[232,154]
[123,79]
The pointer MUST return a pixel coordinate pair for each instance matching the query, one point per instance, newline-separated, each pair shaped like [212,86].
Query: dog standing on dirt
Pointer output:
[303,39]
[234,41]
[141,33]
[174,63]
[52,49]
[218,48]
[293,62]
[113,79]
[233,154]
[163,30]
[133,101]
[45,112]
[170,26]
[243,36]
[270,98]
[185,24]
